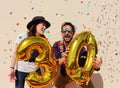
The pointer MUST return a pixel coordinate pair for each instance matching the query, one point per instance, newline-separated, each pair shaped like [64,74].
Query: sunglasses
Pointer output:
[64,31]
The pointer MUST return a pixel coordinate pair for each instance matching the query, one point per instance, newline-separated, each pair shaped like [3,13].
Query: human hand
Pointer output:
[97,62]
[66,54]
[82,85]
[12,75]
[67,50]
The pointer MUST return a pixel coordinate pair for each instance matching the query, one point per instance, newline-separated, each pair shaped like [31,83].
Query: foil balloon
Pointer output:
[44,60]
[83,49]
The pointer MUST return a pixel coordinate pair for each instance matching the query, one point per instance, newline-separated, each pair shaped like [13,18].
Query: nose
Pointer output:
[44,27]
[66,32]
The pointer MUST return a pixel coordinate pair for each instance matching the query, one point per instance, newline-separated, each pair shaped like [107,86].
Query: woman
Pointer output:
[36,27]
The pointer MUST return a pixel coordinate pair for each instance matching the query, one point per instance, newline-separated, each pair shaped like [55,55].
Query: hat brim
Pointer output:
[36,22]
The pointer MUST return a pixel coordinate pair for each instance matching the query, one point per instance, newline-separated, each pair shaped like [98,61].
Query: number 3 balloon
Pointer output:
[83,49]
[44,60]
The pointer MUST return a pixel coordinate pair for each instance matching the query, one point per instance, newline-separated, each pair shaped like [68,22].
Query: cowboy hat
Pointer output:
[36,20]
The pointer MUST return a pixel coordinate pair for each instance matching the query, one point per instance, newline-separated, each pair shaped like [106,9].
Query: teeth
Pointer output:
[67,37]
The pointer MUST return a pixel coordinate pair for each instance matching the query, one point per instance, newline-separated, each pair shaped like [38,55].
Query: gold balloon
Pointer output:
[44,60]
[74,70]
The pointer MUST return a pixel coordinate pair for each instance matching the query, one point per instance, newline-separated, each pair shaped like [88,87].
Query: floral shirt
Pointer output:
[58,51]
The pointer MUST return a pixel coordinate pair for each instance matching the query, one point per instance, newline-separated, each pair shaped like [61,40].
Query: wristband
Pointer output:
[12,67]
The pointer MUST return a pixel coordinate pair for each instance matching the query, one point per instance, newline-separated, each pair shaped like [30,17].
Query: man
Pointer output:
[60,52]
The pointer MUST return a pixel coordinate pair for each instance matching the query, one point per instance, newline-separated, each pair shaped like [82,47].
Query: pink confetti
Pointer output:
[30,1]
[9,42]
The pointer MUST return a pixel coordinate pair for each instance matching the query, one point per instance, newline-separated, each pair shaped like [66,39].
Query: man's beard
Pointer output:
[67,39]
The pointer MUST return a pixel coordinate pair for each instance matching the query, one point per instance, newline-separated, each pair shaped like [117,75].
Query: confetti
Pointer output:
[25,18]
[9,42]
[11,13]
[17,24]
[102,18]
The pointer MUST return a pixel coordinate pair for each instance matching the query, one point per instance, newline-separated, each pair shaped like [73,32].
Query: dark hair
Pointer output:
[32,31]
[70,24]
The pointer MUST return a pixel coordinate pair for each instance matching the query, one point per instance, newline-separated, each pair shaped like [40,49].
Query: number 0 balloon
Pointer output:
[83,49]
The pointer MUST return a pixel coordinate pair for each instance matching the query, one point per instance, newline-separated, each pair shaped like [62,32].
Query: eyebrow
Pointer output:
[66,29]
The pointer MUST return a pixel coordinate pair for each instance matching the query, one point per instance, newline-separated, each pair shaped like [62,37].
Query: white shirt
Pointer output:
[24,66]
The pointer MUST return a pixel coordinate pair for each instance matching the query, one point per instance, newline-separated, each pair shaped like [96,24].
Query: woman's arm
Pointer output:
[12,65]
